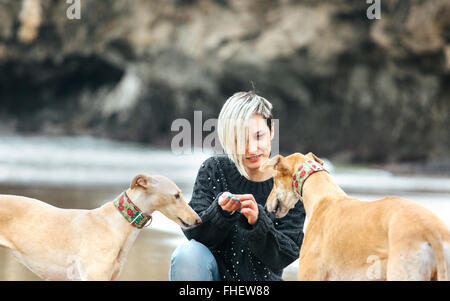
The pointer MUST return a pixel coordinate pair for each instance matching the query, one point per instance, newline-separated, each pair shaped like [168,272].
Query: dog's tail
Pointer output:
[439,255]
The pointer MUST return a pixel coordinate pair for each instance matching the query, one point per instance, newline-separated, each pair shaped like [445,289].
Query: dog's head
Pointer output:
[282,197]
[164,195]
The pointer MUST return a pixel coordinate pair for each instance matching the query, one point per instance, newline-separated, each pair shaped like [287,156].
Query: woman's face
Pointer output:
[258,146]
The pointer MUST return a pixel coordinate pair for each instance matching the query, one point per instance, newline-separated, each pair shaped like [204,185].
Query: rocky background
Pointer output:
[343,86]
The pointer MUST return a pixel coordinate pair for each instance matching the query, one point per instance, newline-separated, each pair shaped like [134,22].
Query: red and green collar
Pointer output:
[131,212]
[302,173]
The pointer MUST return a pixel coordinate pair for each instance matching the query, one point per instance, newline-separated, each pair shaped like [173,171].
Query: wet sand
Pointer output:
[149,258]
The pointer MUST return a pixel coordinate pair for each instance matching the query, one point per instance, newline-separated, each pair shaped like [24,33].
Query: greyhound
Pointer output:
[348,239]
[70,244]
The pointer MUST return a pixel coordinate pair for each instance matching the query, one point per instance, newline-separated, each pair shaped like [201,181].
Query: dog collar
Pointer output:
[131,212]
[302,173]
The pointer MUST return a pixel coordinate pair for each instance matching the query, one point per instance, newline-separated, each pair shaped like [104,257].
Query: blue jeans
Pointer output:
[193,261]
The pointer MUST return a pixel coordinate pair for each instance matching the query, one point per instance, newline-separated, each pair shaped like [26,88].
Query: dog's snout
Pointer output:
[198,221]
[277,206]
[271,208]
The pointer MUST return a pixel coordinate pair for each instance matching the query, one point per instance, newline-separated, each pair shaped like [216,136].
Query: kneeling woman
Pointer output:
[238,239]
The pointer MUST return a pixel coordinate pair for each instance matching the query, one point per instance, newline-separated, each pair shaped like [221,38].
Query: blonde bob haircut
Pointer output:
[233,124]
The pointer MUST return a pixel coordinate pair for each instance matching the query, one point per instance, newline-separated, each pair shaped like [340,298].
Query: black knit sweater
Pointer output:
[243,252]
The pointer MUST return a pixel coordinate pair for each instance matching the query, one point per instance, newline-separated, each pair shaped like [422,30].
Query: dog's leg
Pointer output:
[97,272]
[411,263]
[310,262]
[446,246]
[309,269]
[309,274]
[5,244]
[117,270]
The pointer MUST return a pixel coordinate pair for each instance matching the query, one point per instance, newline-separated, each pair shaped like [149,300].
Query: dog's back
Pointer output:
[18,214]
[421,229]
[391,229]
[417,237]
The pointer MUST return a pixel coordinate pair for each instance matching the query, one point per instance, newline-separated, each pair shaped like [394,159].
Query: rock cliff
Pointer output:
[341,84]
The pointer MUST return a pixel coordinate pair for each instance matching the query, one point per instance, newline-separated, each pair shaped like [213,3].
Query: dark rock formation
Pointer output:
[341,84]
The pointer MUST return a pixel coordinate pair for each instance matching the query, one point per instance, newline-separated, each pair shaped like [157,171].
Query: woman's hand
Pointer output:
[245,203]
[249,208]
[229,202]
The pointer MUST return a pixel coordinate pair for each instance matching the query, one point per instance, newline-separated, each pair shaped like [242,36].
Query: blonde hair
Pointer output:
[233,124]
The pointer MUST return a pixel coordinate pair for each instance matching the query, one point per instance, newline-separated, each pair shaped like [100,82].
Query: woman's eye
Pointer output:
[259,136]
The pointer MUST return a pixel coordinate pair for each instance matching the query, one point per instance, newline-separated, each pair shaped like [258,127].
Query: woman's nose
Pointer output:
[252,147]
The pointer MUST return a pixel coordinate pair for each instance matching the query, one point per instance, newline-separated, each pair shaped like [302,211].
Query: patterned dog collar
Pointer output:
[131,212]
[302,173]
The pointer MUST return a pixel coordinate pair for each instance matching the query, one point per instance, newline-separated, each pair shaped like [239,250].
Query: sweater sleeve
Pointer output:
[276,242]
[216,223]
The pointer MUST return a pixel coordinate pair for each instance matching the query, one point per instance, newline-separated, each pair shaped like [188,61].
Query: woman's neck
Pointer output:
[256,175]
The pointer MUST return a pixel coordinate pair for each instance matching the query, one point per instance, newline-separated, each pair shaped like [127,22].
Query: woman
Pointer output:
[238,239]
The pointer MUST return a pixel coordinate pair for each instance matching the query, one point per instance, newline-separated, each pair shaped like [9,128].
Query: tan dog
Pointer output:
[69,244]
[348,239]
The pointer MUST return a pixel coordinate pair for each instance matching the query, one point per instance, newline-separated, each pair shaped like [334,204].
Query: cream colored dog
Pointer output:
[69,244]
[348,239]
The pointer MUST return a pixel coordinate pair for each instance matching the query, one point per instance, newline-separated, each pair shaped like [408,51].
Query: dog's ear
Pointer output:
[144,181]
[314,157]
[270,163]
[277,163]
[139,180]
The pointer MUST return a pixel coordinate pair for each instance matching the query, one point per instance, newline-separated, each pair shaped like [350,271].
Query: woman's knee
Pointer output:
[192,260]
[192,253]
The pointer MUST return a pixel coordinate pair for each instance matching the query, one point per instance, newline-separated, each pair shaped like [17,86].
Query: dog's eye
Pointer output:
[177,196]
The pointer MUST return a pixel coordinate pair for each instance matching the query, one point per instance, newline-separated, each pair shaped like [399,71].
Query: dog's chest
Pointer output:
[51,270]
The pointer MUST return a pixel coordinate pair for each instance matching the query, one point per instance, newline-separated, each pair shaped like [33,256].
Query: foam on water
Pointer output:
[88,161]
